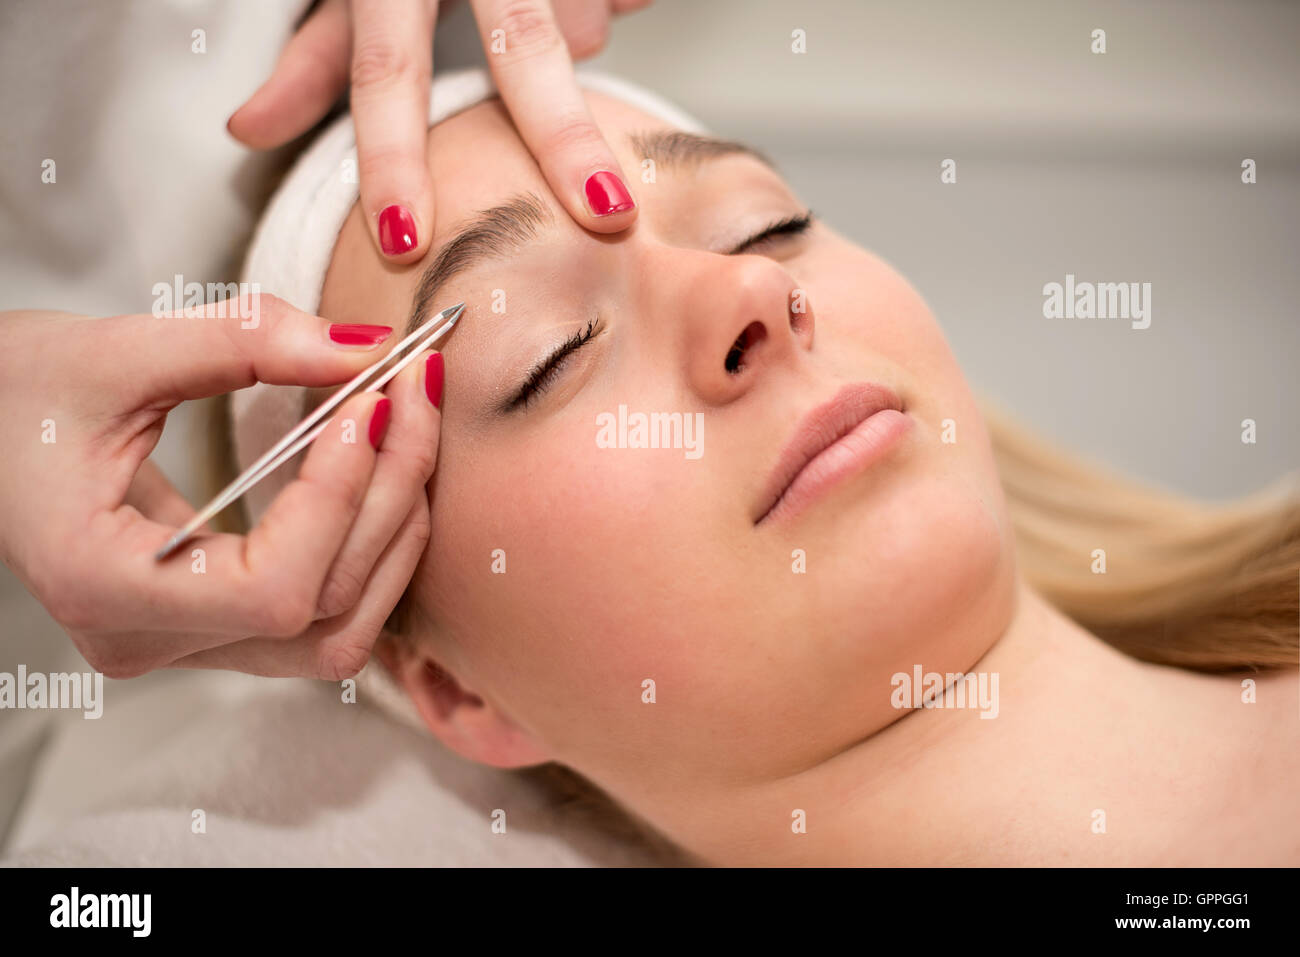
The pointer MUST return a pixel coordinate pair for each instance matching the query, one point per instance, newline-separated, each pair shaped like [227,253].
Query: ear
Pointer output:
[458,718]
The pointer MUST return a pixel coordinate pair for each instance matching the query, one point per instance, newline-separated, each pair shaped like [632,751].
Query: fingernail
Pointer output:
[379,421]
[433,379]
[396,231]
[606,194]
[358,334]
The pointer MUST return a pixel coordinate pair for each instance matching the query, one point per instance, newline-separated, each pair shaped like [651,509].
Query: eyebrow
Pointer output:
[497,232]
[492,234]
[677,148]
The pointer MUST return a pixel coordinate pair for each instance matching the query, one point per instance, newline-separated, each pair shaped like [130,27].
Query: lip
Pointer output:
[857,427]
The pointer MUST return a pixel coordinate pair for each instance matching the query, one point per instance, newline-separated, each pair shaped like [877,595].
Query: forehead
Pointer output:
[476,160]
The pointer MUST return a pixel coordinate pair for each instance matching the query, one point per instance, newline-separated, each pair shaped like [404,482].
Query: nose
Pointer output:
[733,317]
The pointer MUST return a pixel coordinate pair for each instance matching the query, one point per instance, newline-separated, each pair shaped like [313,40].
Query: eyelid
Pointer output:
[539,377]
[790,226]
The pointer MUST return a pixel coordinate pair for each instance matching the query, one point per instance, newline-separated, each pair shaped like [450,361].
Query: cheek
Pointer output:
[860,301]
[552,581]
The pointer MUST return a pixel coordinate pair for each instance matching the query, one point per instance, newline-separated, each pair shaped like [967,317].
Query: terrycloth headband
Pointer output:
[291,251]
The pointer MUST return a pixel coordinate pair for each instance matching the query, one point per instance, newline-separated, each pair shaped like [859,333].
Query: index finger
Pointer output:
[392,58]
[533,71]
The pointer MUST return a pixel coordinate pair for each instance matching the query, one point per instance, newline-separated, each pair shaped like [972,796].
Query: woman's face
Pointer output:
[563,574]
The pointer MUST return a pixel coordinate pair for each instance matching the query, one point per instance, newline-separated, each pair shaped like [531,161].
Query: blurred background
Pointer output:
[1115,167]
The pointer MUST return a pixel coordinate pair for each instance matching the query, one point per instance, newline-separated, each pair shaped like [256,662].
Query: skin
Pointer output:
[773,689]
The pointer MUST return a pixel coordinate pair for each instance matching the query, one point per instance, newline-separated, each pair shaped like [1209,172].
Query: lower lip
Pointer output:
[869,442]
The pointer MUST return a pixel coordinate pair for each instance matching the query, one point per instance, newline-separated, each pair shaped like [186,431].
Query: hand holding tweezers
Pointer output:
[309,428]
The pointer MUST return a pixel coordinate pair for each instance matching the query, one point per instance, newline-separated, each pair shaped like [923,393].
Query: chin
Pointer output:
[920,568]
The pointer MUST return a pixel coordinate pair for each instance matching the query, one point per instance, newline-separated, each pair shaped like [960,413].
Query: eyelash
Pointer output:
[790,226]
[539,379]
[542,374]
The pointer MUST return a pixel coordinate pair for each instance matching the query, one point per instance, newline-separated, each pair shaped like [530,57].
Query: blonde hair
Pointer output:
[1208,587]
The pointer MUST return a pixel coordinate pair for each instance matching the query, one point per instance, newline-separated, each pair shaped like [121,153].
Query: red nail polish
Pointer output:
[379,421]
[358,334]
[396,231]
[433,379]
[606,194]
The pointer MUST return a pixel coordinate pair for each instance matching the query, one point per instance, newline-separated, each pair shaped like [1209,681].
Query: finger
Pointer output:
[310,520]
[584,26]
[267,582]
[630,6]
[392,59]
[223,346]
[149,650]
[402,470]
[156,498]
[534,74]
[335,648]
[311,74]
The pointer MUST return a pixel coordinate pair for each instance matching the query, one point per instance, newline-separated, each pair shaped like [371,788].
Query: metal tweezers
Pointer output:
[305,431]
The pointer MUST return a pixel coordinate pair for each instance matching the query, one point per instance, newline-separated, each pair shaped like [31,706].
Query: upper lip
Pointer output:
[820,428]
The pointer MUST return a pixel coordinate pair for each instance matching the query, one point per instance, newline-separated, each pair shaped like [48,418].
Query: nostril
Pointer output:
[732,362]
[749,337]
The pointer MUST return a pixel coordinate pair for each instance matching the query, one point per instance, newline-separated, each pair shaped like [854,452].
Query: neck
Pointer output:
[1085,738]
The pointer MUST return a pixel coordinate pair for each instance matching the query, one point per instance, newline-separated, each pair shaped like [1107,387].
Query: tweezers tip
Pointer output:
[170,547]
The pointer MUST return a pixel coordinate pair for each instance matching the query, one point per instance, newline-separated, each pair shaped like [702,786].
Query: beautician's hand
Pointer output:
[82,510]
[385,49]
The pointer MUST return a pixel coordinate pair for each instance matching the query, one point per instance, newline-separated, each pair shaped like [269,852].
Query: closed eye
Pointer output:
[790,226]
[543,374]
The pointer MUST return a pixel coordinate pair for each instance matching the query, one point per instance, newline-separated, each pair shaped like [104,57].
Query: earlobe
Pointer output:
[459,718]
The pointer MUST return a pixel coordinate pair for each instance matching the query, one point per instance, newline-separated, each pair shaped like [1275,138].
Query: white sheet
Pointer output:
[286,774]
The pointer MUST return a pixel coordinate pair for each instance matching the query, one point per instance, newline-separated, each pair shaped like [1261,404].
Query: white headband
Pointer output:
[290,253]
